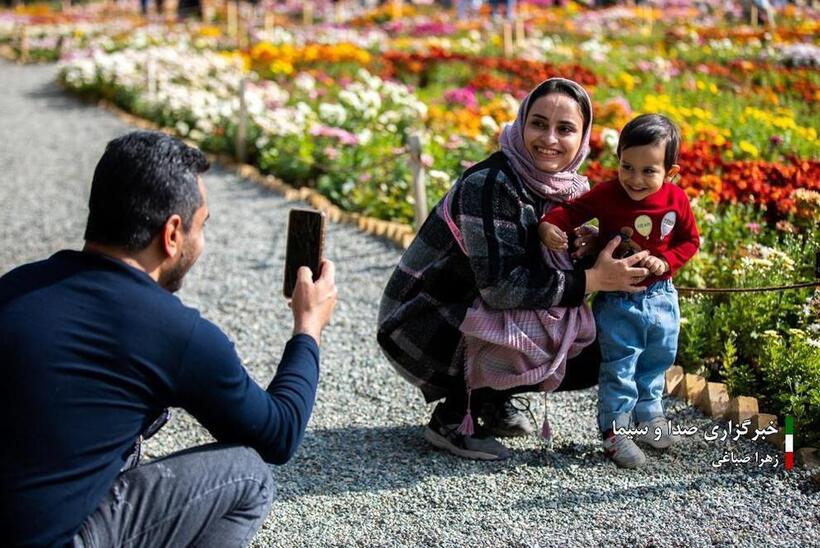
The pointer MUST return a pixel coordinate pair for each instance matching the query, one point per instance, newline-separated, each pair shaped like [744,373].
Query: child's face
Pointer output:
[553,132]
[641,170]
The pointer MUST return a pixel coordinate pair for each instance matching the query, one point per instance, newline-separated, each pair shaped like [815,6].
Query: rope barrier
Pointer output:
[745,289]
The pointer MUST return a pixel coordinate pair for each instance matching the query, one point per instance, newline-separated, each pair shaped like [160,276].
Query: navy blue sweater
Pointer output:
[91,351]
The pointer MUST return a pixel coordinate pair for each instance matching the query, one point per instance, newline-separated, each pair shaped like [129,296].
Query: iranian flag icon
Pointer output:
[789,431]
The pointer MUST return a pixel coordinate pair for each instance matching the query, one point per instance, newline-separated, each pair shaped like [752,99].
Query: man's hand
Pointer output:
[656,265]
[611,274]
[552,236]
[586,240]
[313,303]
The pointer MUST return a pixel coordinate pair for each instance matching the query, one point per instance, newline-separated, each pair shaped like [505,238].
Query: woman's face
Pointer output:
[553,131]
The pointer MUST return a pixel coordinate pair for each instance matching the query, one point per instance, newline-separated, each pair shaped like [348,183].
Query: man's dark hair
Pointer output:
[648,129]
[143,178]
[565,87]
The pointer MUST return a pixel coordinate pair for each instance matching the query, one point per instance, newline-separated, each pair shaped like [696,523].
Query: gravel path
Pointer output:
[364,475]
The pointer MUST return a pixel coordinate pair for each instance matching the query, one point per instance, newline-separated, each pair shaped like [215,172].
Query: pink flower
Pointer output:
[343,136]
[462,96]
[331,153]
[754,228]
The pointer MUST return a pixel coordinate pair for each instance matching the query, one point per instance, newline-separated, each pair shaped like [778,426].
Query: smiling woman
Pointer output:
[477,310]
[554,130]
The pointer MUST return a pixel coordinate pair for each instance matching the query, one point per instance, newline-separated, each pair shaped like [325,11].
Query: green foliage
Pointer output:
[763,344]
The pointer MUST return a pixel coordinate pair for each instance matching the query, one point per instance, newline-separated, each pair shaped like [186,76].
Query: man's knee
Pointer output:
[260,471]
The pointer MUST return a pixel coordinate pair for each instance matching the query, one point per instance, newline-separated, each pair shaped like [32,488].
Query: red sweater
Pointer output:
[662,222]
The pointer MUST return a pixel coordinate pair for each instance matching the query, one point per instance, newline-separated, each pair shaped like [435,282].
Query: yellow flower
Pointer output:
[281,67]
[749,149]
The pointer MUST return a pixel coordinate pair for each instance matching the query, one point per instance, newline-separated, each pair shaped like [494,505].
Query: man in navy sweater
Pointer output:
[94,346]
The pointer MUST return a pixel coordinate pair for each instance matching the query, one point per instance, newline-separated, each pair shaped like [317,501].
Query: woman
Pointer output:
[491,250]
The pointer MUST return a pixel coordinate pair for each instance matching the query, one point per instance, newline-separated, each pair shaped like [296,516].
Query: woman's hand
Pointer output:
[611,274]
[552,236]
[586,238]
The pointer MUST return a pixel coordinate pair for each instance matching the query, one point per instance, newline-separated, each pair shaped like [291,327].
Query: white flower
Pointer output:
[489,123]
[332,114]
[439,176]
[610,138]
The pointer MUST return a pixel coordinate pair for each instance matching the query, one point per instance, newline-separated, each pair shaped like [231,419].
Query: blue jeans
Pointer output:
[638,335]
[213,495]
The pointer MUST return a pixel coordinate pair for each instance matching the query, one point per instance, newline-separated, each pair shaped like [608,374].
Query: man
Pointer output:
[93,348]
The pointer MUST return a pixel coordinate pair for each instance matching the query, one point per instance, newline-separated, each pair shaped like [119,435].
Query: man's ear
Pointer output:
[674,170]
[172,234]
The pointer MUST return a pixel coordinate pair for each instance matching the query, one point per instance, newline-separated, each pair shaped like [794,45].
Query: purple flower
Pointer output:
[775,140]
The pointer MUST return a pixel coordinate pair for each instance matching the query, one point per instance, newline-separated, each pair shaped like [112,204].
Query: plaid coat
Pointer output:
[434,283]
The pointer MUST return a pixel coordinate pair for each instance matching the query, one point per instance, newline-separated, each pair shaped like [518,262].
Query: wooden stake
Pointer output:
[232,19]
[508,39]
[270,21]
[242,124]
[419,184]
[307,13]
[24,44]
[753,16]
[520,33]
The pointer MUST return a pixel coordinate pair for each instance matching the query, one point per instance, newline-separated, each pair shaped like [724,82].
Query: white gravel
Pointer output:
[364,475]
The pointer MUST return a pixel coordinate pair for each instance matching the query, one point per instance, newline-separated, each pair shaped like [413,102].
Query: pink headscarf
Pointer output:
[508,348]
[558,186]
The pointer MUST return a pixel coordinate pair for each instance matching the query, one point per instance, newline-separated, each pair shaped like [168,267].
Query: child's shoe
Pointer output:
[657,433]
[622,451]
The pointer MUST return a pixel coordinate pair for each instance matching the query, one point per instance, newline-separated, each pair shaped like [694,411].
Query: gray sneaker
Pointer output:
[657,434]
[477,446]
[623,451]
[509,418]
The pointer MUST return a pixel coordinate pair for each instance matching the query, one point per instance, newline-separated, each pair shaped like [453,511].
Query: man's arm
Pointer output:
[216,389]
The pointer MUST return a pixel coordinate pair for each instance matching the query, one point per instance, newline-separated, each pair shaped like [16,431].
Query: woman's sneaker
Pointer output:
[478,446]
[509,418]
[657,434]
[623,451]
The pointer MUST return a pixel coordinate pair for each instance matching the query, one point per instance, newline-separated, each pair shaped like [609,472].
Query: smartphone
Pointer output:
[306,238]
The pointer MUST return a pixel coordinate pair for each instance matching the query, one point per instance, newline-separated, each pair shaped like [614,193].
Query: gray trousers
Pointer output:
[212,495]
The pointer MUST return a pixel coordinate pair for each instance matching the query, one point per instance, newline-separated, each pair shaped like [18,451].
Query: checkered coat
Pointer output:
[428,294]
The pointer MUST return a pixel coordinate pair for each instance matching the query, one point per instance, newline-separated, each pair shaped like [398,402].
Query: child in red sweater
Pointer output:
[637,332]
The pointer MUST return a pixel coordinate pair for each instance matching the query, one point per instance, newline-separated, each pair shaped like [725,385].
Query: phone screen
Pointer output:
[306,232]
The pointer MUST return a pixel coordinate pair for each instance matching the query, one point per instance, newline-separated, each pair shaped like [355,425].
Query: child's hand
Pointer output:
[655,265]
[552,236]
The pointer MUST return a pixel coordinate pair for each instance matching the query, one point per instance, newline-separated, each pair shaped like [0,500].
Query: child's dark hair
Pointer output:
[648,129]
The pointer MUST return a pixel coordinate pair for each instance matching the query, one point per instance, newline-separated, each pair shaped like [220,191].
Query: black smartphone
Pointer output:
[306,238]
